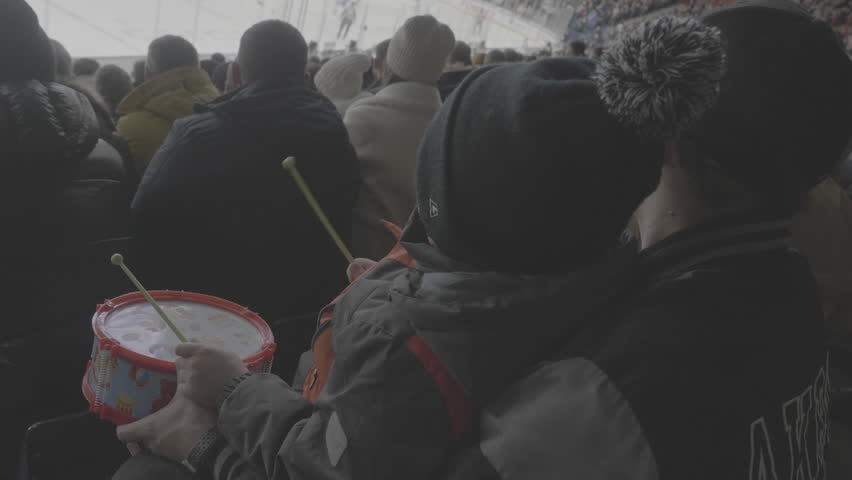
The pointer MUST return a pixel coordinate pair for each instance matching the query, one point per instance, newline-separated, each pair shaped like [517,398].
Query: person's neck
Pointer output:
[672,208]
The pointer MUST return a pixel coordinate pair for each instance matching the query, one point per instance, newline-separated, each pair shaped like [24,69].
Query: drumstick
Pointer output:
[290,165]
[118,259]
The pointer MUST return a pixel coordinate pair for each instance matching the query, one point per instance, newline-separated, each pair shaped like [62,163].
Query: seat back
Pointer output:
[73,446]
[293,336]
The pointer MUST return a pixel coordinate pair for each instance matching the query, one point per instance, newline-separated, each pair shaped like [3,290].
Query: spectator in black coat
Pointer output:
[61,189]
[459,66]
[220,214]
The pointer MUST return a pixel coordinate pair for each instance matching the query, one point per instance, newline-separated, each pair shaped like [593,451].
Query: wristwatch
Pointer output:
[204,453]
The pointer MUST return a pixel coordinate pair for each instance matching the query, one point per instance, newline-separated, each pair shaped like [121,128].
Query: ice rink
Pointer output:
[116,28]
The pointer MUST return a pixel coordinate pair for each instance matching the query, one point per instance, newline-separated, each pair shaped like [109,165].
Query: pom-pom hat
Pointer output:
[784,115]
[526,171]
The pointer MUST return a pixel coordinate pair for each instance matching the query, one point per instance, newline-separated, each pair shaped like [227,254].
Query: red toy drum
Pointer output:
[132,372]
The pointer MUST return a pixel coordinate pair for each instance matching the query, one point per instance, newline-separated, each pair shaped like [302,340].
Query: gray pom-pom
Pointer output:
[662,78]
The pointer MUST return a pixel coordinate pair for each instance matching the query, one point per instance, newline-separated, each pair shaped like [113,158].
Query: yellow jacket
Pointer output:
[147,113]
[823,233]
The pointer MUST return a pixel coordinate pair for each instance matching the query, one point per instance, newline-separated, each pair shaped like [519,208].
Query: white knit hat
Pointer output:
[419,50]
[342,78]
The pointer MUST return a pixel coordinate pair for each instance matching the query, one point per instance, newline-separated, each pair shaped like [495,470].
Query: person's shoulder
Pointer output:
[104,162]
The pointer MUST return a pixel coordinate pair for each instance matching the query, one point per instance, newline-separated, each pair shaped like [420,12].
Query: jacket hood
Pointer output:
[491,326]
[270,109]
[44,127]
[170,95]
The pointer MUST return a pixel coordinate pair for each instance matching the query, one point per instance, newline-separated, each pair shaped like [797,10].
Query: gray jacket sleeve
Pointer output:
[380,416]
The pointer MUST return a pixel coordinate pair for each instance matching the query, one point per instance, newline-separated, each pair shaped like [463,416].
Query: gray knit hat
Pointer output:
[342,78]
[419,50]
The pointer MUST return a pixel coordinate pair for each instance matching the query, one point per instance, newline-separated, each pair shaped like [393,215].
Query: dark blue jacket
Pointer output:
[219,215]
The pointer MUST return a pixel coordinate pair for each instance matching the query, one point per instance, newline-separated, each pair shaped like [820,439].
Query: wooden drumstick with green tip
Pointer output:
[290,165]
[118,260]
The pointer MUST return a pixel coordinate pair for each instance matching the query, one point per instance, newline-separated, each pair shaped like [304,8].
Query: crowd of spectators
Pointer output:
[522,242]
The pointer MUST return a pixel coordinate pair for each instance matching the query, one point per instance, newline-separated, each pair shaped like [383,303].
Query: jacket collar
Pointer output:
[731,236]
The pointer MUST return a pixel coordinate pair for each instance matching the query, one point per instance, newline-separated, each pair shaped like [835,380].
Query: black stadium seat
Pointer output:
[78,446]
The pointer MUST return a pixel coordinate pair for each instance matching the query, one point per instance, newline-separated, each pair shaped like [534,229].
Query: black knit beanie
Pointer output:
[784,116]
[526,171]
[25,50]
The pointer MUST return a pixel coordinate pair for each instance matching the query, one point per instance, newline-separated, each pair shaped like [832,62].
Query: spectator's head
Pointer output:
[460,56]
[113,84]
[483,206]
[341,79]
[495,56]
[62,61]
[209,66]
[218,58]
[85,67]
[418,51]
[272,50]
[512,56]
[138,73]
[220,76]
[25,51]
[380,56]
[784,117]
[578,48]
[168,53]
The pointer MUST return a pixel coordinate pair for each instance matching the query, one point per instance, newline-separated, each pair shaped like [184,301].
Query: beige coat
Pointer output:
[386,131]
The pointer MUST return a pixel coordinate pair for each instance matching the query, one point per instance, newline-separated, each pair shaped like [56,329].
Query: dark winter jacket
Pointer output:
[219,214]
[61,189]
[716,368]
[449,81]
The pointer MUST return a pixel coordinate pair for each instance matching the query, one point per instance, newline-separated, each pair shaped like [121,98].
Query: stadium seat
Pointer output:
[78,446]
[293,336]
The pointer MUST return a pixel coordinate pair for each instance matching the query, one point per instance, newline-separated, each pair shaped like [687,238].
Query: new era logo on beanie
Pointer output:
[784,115]
[532,173]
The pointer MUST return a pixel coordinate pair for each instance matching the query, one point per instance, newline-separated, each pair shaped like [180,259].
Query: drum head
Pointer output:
[137,327]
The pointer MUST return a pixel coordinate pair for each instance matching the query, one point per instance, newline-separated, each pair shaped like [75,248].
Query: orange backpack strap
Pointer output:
[323,352]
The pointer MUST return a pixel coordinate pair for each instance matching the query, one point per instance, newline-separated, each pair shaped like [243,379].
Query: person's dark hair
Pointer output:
[512,56]
[578,48]
[138,73]
[461,54]
[381,50]
[209,66]
[218,58]
[272,50]
[169,52]
[495,56]
[113,84]
[220,76]
[85,66]
[61,60]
